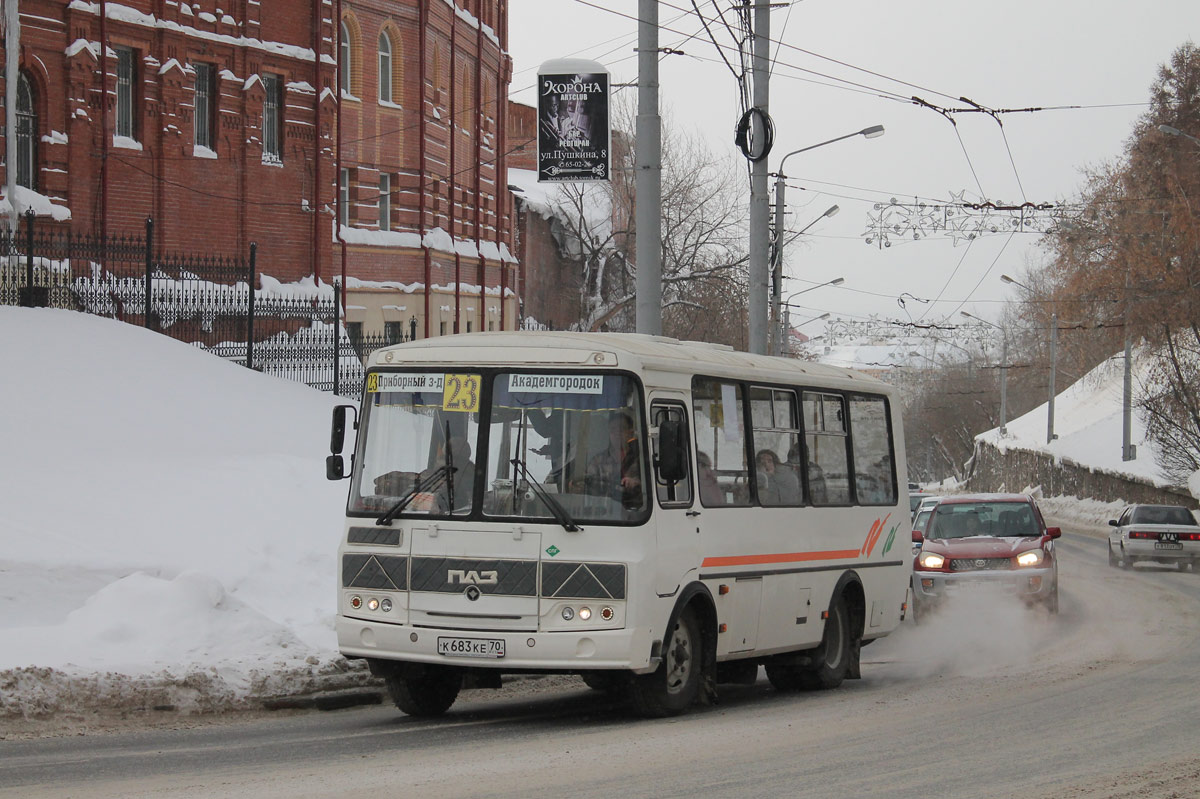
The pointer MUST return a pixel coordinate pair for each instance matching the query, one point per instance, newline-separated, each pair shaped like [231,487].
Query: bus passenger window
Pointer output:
[720,443]
[776,445]
[827,469]
[870,435]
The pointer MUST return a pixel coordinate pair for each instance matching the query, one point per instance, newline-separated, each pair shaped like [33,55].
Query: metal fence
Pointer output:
[289,332]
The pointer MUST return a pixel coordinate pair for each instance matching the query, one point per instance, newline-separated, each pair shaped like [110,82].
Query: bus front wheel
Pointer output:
[674,685]
[429,694]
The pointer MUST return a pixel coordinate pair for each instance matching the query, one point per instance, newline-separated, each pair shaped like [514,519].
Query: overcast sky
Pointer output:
[1101,54]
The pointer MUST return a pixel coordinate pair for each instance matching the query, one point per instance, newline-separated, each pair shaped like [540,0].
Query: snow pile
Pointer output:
[1087,425]
[167,522]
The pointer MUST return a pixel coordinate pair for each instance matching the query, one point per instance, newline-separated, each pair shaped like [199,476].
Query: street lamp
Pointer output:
[781,327]
[873,132]
[787,312]
[1003,371]
[1053,361]
[1170,131]
[774,346]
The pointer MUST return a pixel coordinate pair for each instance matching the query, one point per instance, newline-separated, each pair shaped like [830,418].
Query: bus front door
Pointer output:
[677,524]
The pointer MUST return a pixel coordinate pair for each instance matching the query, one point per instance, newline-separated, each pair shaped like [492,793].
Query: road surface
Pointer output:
[984,700]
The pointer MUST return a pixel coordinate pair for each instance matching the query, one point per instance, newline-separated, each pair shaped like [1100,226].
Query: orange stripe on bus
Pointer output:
[784,557]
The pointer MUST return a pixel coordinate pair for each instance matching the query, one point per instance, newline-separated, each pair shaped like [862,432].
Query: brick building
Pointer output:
[222,120]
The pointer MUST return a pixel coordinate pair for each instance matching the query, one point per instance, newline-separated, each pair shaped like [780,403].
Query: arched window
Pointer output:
[344,63]
[27,135]
[385,68]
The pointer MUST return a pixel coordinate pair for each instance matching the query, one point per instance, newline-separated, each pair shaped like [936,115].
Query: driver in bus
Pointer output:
[616,472]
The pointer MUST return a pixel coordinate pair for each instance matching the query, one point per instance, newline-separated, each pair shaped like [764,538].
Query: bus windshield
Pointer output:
[578,436]
[418,436]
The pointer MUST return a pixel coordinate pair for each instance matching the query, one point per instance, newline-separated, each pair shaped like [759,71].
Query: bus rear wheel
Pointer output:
[831,660]
[675,684]
[427,695]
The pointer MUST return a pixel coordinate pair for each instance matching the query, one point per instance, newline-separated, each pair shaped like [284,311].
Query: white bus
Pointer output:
[657,516]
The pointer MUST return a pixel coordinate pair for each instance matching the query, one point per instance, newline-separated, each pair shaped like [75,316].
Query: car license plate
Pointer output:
[1168,545]
[471,647]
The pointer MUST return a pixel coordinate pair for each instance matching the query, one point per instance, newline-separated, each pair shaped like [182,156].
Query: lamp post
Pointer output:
[873,132]
[777,268]
[1053,361]
[1003,371]
[779,331]
[787,313]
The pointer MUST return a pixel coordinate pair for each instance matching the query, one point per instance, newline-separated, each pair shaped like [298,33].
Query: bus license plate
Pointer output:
[471,647]
[1168,545]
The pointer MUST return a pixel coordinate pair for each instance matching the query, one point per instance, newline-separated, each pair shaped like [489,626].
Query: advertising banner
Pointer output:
[573,129]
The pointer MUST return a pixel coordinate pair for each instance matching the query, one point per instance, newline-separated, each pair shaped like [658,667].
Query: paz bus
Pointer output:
[657,516]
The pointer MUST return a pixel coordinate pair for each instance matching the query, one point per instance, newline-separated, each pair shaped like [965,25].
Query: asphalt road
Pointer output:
[983,700]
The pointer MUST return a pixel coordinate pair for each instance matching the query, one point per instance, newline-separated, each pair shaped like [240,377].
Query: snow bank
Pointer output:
[166,514]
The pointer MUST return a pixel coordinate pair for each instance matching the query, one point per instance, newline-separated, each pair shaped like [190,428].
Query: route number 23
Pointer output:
[461,393]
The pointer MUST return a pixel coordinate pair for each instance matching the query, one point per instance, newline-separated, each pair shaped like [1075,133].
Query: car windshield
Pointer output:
[922,521]
[914,502]
[418,435]
[1162,514]
[969,519]
[580,437]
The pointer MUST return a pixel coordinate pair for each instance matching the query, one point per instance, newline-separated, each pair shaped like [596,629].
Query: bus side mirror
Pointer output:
[335,467]
[672,451]
[337,435]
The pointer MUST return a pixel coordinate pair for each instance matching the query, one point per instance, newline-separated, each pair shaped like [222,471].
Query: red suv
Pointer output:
[985,539]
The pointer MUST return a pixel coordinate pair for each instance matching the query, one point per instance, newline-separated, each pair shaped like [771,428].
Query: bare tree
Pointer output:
[703,239]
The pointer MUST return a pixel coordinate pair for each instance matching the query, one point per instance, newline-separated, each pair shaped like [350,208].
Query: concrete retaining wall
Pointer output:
[1016,469]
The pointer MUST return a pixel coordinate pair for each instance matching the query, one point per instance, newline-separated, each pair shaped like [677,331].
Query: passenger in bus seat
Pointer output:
[616,471]
[776,484]
[710,491]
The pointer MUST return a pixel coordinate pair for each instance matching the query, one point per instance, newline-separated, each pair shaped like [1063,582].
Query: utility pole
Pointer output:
[1050,404]
[12,66]
[648,178]
[759,205]
[1127,450]
[1004,386]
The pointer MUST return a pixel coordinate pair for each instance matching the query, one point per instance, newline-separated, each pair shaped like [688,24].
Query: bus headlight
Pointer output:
[568,613]
[585,613]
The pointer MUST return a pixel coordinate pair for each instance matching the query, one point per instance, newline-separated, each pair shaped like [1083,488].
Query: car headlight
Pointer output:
[1031,558]
[931,560]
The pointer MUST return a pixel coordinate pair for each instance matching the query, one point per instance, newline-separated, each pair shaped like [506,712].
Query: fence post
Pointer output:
[32,296]
[250,308]
[337,360]
[149,267]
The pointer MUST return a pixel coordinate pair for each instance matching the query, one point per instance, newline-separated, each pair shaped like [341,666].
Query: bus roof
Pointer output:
[625,350]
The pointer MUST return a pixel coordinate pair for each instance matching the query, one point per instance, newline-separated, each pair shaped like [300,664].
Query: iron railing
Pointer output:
[204,300]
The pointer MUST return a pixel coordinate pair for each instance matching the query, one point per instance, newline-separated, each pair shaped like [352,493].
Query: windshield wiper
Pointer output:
[429,482]
[556,510]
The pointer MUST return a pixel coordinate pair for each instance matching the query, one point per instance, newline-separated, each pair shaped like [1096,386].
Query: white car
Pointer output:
[1154,533]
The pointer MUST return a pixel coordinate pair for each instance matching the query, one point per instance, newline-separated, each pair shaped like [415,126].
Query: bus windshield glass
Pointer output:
[578,436]
[418,438]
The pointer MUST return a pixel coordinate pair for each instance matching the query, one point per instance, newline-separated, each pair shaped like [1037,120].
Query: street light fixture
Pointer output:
[1003,371]
[801,324]
[776,337]
[781,330]
[1170,131]
[873,132]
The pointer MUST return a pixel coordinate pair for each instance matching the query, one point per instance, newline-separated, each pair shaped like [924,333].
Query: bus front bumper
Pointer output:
[627,649]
